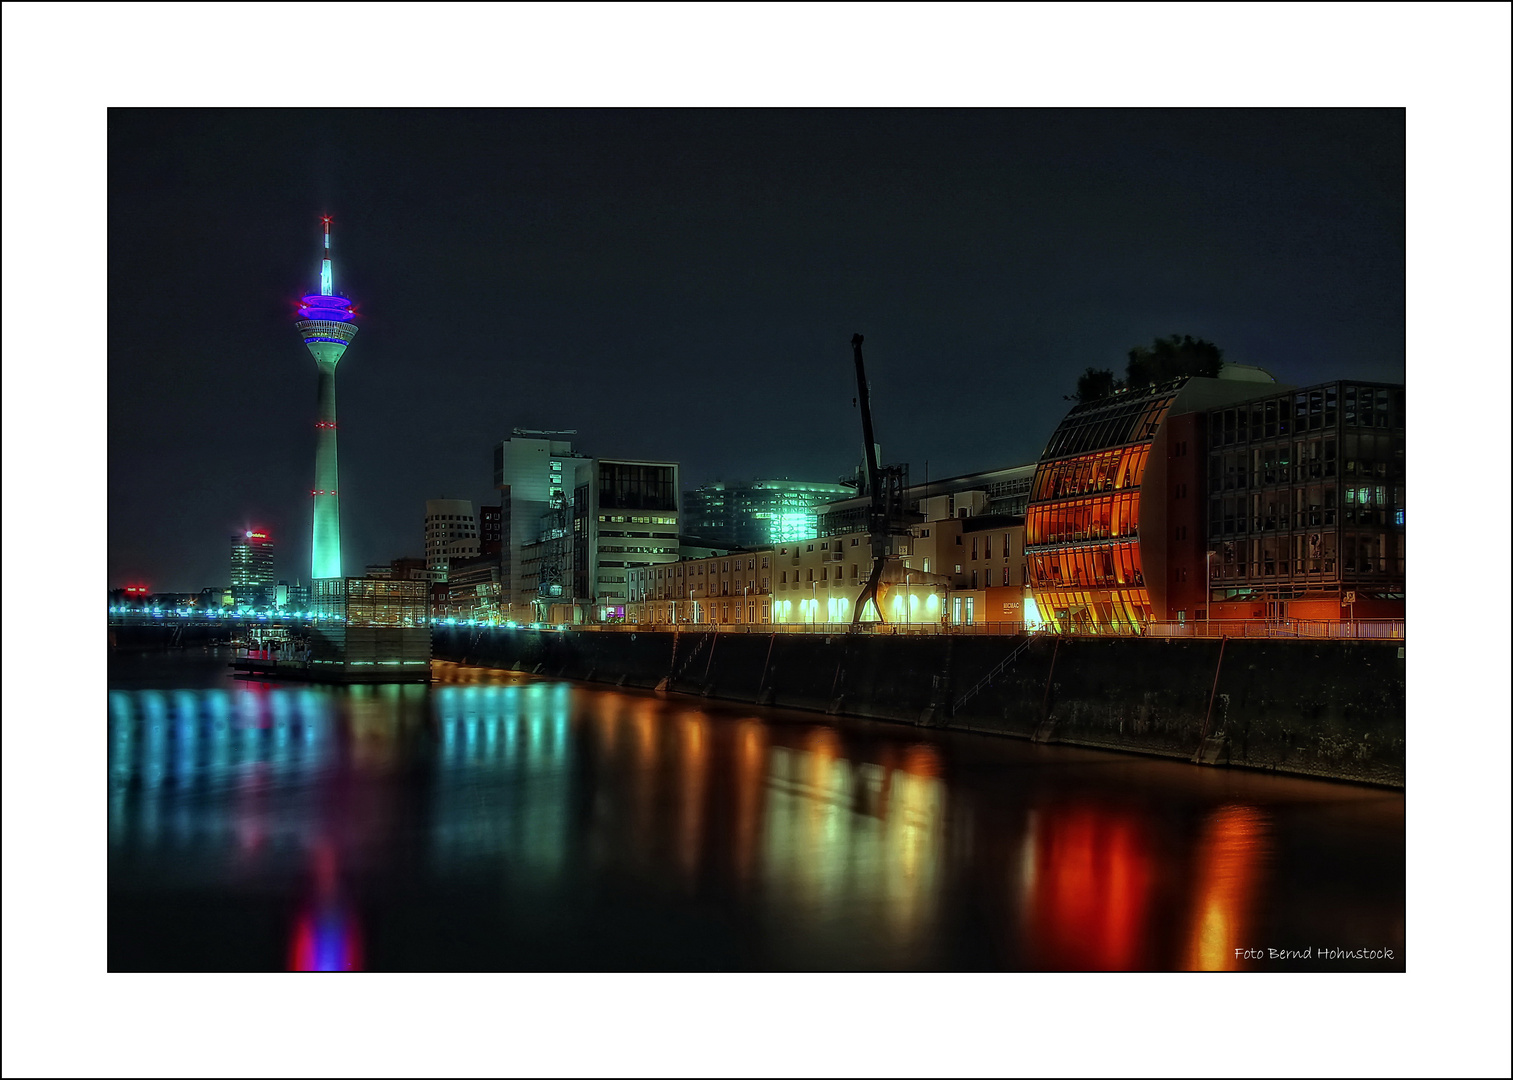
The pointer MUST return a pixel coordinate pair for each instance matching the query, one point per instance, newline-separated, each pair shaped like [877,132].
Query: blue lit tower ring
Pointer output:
[327,327]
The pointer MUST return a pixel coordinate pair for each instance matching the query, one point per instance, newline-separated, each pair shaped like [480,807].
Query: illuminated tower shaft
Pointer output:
[327,327]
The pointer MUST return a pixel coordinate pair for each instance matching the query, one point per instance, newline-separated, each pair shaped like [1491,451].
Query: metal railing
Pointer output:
[1350,630]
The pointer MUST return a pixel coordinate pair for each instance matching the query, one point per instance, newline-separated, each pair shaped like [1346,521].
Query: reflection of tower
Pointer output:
[326,933]
[327,327]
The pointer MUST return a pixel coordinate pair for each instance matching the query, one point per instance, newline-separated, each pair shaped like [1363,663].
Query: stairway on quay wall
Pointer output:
[1321,708]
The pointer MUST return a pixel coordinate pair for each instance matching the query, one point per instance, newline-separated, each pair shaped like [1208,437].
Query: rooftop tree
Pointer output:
[1164,359]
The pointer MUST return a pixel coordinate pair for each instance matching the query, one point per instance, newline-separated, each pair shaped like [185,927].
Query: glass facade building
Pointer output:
[1221,499]
[1083,522]
[758,513]
[1306,494]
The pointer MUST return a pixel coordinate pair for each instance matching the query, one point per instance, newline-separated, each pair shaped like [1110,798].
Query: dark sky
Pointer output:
[684,284]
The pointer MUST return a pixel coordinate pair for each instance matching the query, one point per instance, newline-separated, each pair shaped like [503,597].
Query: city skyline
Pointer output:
[609,239]
[682,286]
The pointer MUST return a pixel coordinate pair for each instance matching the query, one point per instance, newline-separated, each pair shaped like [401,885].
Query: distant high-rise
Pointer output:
[252,568]
[327,327]
[451,532]
[533,471]
[758,513]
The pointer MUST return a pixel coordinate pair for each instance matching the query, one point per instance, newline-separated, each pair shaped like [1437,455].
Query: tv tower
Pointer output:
[327,327]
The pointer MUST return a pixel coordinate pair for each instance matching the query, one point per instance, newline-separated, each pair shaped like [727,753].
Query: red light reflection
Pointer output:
[326,936]
[1089,876]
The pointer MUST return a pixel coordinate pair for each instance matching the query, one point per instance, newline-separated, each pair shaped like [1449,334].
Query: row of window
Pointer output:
[1090,473]
[1312,459]
[700,612]
[1308,555]
[983,544]
[1102,566]
[1105,517]
[1317,409]
[1313,506]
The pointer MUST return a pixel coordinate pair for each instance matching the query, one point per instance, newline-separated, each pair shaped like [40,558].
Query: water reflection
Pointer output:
[501,783]
[1087,873]
[1229,860]
[326,935]
[526,808]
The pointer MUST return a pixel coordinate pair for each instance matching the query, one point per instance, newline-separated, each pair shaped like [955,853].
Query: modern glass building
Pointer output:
[1082,528]
[1213,499]
[758,513]
[1112,535]
[1305,499]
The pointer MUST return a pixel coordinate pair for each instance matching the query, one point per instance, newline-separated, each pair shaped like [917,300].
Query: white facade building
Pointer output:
[534,473]
[451,532]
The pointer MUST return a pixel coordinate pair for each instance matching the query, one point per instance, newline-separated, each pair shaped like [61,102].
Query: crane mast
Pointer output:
[878,513]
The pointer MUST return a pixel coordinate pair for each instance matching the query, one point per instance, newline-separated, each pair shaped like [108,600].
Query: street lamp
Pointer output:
[1208,592]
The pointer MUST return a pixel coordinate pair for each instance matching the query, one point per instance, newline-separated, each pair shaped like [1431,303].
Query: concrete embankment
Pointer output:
[167,635]
[1321,708]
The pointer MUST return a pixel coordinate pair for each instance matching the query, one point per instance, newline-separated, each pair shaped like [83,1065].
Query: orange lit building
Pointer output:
[1109,540]
[1221,499]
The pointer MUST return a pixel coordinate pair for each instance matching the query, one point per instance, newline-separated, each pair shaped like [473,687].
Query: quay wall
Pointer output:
[167,635]
[1315,707]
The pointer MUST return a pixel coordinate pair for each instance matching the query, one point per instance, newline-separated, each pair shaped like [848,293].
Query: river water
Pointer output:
[499,822]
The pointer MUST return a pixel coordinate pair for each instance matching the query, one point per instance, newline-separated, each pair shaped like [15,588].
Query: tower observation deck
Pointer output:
[326,323]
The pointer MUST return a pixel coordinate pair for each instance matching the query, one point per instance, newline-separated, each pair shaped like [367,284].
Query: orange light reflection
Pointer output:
[1236,842]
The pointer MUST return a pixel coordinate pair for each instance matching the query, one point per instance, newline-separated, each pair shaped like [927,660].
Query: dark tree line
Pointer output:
[1165,359]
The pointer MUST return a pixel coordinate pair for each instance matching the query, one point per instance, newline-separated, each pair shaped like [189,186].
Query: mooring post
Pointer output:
[1045,701]
[767,663]
[712,642]
[1212,693]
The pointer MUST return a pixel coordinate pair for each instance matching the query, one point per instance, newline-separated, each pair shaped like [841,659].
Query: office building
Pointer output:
[534,473]
[491,530]
[1305,514]
[624,516]
[451,533]
[370,630]
[757,513]
[252,568]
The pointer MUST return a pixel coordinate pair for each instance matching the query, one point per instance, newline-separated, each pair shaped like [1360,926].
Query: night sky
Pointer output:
[683,285]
